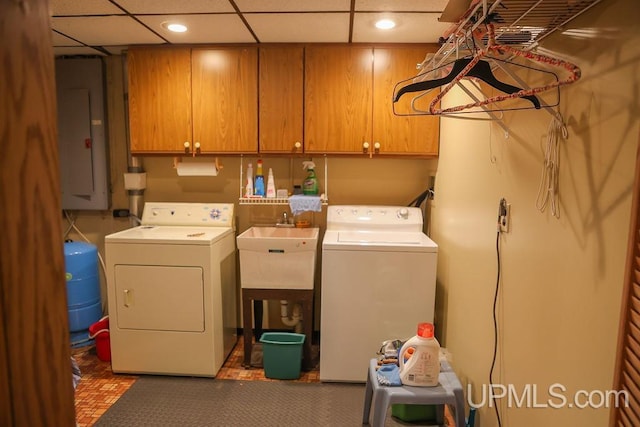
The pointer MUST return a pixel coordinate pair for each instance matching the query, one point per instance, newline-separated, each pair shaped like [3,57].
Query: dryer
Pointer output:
[172,290]
[378,283]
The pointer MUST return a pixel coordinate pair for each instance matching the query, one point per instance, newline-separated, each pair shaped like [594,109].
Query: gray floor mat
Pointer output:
[181,401]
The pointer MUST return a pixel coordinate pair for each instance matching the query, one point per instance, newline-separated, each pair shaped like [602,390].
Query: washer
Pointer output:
[172,290]
[378,283]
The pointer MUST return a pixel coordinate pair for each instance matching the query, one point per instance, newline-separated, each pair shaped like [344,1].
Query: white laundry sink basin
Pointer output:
[278,258]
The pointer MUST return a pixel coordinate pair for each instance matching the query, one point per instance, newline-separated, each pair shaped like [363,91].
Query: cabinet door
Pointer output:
[413,135]
[338,98]
[281,99]
[159,99]
[225,99]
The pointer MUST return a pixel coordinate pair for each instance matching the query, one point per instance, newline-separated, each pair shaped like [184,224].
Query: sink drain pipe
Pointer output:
[296,316]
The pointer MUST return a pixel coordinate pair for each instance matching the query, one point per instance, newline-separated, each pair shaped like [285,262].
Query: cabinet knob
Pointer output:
[196,145]
[297,145]
[187,145]
[365,147]
[376,147]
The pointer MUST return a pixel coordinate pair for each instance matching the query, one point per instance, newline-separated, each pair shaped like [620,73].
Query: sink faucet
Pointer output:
[284,221]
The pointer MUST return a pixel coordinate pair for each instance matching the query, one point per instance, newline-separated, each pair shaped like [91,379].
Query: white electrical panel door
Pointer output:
[159,298]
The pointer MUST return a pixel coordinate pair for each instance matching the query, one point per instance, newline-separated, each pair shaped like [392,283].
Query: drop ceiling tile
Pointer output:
[401,5]
[410,28]
[173,6]
[106,30]
[84,7]
[293,5]
[300,27]
[61,40]
[215,28]
[75,50]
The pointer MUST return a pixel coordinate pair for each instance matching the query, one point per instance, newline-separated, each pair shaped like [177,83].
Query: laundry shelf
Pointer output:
[269,201]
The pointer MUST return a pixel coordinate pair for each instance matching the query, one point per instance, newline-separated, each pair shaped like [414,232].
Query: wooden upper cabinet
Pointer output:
[225,99]
[338,98]
[280,101]
[398,134]
[159,99]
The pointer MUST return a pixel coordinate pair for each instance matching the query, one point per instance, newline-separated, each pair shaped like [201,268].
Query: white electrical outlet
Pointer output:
[505,218]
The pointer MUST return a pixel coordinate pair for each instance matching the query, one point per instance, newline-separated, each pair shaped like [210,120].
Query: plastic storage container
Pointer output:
[413,413]
[282,355]
[83,289]
[100,332]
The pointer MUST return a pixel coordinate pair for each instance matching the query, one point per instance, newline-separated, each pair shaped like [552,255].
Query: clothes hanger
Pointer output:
[573,69]
[481,70]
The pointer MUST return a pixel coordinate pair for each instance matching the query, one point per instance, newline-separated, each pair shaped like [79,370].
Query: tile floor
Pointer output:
[99,388]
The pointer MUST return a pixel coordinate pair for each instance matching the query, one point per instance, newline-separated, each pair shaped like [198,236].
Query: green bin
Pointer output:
[282,355]
[413,413]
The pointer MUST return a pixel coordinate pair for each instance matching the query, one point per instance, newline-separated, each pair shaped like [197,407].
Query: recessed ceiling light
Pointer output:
[385,24]
[175,27]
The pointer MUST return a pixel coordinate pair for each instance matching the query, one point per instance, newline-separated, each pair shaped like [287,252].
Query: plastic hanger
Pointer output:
[481,70]
[573,69]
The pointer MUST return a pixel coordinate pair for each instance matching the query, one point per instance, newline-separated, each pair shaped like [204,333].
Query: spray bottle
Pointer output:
[310,184]
[422,353]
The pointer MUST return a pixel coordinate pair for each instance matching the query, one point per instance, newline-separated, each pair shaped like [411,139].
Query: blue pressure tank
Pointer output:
[83,289]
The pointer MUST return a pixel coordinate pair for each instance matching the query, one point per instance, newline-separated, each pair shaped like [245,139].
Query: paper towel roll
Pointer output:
[196,169]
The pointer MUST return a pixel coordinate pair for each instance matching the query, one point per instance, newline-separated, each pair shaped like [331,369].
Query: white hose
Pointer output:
[548,188]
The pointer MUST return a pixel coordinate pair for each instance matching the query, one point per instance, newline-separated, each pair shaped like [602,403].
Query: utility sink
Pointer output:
[278,257]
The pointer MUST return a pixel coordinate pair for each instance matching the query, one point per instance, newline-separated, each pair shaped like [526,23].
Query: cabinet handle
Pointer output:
[196,148]
[187,145]
[376,147]
[126,298]
[297,146]
[365,147]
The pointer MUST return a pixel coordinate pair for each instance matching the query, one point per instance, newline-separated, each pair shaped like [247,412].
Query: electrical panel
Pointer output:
[82,133]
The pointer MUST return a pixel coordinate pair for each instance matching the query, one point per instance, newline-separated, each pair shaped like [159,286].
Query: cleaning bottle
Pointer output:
[248,192]
[258,186]
[422,354]
[310,184]
[271,185]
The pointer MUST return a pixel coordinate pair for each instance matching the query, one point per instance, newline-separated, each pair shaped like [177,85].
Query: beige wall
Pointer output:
[561,278]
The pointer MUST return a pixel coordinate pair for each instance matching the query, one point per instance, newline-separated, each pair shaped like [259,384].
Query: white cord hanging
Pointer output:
[548,188]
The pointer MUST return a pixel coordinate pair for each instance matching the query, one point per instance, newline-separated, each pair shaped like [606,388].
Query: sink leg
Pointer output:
[257,318]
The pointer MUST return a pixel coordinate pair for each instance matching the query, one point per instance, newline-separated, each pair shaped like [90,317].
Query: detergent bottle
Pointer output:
[258,184]
[310,183]
[419,358]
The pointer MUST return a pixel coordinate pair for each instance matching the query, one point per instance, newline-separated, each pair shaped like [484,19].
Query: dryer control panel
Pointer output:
[365,217]
[188,214]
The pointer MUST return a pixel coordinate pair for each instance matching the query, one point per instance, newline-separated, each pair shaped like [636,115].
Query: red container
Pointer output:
[100,332]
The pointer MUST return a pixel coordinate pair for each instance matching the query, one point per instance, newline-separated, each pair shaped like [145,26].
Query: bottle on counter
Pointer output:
[248,192]
[310,183]
[258,185]
[271,185]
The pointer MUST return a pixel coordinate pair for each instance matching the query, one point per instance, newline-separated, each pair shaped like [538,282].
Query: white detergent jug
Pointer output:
[422,354]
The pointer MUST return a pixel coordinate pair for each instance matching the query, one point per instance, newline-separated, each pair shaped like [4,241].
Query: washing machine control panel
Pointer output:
[207,214]
[399,218]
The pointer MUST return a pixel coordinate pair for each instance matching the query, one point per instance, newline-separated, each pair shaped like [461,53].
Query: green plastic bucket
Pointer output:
[282,355]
